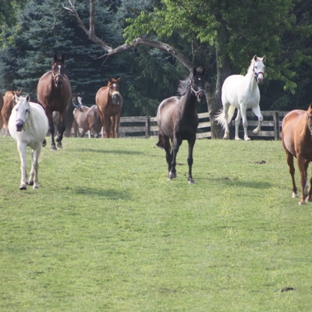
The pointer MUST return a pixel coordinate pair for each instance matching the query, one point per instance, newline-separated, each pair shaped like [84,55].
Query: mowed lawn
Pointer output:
[106,230]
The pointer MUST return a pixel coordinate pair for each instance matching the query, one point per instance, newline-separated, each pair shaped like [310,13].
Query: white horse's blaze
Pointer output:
[242,92]
[32,133]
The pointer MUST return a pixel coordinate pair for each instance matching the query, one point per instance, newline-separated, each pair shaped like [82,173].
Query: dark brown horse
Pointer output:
[177,120]
[8,103]
[109,102]
[297,142]
[54,93]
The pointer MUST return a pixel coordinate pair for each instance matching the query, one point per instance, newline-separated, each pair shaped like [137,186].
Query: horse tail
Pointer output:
[160,142]
[220,117]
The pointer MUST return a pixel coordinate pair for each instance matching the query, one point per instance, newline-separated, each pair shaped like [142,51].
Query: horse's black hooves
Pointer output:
[59,145]
[30,183]
[22,188]
[53,148]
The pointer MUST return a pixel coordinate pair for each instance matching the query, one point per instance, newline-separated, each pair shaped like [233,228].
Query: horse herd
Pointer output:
[177,119]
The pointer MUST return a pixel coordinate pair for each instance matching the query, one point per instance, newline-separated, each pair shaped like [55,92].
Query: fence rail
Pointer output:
[145,127]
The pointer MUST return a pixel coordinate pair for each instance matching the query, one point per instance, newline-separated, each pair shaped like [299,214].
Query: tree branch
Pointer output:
[124,47]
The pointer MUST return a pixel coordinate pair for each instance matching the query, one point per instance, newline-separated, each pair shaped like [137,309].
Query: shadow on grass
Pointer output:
[108,193]
[117,152]
[243,183]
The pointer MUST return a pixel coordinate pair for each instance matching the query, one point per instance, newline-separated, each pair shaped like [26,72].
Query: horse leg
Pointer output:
[113,124]
[117,121]
[257,112]
[191,143]
[290,162]
[245,122]
[22,152]
[308,191]
[33,179]
[303,175]
[61,130]
[226,125]
[175,148]
[106,125]
[52,131]
[237,121]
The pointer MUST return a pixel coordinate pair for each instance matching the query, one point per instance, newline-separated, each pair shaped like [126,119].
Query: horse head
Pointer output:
[309,118]
[258,68]
[57,70]
[113,86]
[15,96]
[77,101]
[198,84]
[22,111]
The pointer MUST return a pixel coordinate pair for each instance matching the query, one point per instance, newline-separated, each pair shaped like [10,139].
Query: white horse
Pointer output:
[242,92]
[28,125]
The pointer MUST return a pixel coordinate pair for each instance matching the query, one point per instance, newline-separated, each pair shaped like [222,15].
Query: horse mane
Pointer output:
[184,85]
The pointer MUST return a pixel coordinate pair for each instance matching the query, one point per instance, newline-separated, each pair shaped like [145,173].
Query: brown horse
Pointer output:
[54,93]
[177,120]
[109,102]
[297,142]
[87,118]
[8,103]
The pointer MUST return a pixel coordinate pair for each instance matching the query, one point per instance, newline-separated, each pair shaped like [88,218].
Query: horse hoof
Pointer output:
[191,181]
[30,183]
[59,145]
[53,148]
[237,139]
[172,175]
[23,187]
[36,186]
[294,195]
[247,139]
[302,203]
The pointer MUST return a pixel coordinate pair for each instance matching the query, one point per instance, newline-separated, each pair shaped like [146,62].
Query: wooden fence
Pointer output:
[145,127]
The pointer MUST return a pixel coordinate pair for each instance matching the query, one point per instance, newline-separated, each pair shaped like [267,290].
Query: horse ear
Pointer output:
[63,58]
[55,57]
[27,97]
[264,58]
[255,57]
[118,80]
[16,98]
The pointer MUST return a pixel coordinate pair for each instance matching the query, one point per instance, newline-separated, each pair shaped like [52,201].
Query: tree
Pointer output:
[233,29]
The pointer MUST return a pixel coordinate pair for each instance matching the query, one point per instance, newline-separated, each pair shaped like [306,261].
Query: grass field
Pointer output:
[106,230]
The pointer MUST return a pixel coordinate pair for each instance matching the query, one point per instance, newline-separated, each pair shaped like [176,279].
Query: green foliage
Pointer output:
[106,230]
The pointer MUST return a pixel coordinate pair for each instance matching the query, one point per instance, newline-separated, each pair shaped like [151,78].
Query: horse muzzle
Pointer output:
[19,125]
[201,97]
[116,97]
[260,78]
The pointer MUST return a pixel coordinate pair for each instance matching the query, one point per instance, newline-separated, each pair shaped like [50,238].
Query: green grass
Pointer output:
[106,231]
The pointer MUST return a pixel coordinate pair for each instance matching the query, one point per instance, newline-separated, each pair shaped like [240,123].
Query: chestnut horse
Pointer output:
[8,103]
[54,93]
[297,142]
[109,102]
[177,120]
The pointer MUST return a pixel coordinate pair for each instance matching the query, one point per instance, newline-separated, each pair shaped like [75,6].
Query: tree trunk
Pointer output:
[223,71]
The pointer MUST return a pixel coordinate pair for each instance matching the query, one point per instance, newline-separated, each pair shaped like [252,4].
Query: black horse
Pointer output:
[177,120]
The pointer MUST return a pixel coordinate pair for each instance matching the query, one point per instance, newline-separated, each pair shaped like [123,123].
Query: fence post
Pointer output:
[276,125]
[147,126]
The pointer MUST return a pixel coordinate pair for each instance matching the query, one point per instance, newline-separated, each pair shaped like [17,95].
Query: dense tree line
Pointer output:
[221,35]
